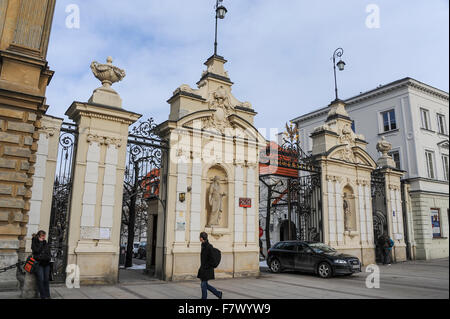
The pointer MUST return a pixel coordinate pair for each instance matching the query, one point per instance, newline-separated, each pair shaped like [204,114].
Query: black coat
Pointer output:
[206,271]
[41,251]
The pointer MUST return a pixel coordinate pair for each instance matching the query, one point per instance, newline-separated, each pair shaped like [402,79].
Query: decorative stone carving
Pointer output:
[347,213]
[322,128]
[384,147]
[215,200]
[104,140]
[48,131]
[107,73]
[347,136]
[220,102]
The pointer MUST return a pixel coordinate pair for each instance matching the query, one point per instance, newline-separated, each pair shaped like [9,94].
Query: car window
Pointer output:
[289,246]
[301,247]
[322,248]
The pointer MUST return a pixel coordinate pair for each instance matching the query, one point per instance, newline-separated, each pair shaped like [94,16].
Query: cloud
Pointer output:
[278,51]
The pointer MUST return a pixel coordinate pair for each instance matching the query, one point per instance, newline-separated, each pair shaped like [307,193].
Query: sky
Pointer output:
[279,52]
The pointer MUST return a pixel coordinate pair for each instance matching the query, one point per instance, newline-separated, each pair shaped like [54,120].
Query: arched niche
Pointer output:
[216,199]
[349,209]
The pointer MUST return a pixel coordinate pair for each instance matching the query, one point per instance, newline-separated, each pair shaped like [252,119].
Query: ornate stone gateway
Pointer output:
[212,179]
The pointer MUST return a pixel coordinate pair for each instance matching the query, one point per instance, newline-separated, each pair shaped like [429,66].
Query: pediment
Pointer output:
[231,125]
[351,155]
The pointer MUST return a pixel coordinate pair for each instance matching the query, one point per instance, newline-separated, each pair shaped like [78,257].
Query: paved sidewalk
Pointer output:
[410,280]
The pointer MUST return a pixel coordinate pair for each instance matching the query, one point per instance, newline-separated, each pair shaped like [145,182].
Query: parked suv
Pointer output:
[311,257]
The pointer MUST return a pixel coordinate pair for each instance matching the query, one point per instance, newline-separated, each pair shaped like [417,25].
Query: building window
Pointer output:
[353,126]
[389,121]
[425,116]
[442,124]
[396,156]
[436,223]
[429,157]
[445,166]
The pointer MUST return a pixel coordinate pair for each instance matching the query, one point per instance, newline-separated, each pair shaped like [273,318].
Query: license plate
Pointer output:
[356,267]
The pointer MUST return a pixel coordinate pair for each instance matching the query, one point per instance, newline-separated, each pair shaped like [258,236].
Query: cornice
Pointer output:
[403,83]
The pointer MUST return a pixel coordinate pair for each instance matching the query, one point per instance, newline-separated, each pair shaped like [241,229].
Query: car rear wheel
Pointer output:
[275,266]
[324,270]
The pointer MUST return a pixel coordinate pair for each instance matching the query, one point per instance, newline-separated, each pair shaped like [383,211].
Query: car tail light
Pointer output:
[268,252]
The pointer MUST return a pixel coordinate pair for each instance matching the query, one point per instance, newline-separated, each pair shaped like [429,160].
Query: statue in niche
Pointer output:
[347,213]
[215,200]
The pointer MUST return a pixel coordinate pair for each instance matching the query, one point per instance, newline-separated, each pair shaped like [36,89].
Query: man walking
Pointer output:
[206,271]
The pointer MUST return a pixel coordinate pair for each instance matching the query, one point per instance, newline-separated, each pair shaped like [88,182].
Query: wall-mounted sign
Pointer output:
[245,202]
[436,223]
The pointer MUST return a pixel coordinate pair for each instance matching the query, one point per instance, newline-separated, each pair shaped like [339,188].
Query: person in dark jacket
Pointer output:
[206,271]
[41,252]
[388,243]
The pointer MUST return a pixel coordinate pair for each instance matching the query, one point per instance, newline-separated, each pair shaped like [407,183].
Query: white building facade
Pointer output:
[413,116]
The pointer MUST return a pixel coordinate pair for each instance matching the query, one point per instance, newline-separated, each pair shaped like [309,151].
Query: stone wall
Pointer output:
[428,247]
[18,144]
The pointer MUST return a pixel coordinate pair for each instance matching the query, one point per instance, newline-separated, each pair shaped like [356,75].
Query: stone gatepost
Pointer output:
[44,177]
[212,179]
[346,175]
[96,203]
[394,206]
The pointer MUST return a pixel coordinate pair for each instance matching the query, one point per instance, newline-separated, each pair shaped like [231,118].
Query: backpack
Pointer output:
[216,257]
[391,243]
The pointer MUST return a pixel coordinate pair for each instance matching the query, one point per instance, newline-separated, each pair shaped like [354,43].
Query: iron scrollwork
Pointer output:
[62,190]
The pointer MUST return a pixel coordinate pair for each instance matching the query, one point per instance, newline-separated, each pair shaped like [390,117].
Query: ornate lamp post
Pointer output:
[221,11]
[341,65]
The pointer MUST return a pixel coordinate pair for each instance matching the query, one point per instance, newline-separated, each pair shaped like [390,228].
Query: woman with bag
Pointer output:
[41,253]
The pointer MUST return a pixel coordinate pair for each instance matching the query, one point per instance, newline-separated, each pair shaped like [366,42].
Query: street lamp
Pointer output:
[221,11]
[341,65]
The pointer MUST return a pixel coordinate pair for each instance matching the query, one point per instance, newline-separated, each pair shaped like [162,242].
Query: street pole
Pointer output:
[337,53]
[215,42]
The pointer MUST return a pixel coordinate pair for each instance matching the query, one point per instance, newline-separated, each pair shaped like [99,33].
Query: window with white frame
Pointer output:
[429,158]
[442,124]
[396,156]
[445,166]
[425,117]
[389,121]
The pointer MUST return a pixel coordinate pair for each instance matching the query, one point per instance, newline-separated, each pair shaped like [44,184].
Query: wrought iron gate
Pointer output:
[302,193]
[144,176]
[379,211]
[60,210]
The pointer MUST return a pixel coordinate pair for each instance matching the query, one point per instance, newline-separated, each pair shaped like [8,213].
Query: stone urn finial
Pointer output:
[384,147]
[107,73]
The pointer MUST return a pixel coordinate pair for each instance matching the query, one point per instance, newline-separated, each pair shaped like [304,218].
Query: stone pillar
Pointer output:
[346,173]
[395,212]
[394,205]
[44,177]
[24,76]
[96,204]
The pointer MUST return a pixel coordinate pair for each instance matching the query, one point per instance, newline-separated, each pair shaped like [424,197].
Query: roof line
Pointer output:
[367,94]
